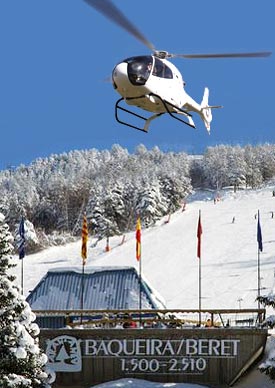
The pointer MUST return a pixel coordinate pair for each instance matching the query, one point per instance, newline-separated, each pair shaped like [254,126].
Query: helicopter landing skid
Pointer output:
[148,120]
[179,111]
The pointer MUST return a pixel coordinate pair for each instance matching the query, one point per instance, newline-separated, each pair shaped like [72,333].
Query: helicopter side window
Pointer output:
[161,70]
[168,72]
[157,71]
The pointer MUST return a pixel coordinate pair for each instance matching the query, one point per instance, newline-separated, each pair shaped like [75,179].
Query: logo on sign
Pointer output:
[64,354]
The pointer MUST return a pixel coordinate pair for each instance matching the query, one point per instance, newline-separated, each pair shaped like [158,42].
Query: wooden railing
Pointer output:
[178,318]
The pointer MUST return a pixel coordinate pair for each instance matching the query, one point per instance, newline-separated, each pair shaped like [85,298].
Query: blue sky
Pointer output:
[57,54]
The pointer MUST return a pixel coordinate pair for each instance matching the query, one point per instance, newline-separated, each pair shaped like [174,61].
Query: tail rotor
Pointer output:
[206,113]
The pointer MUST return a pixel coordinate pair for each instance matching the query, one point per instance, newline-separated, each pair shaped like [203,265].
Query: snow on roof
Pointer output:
[104,288]
[89,269]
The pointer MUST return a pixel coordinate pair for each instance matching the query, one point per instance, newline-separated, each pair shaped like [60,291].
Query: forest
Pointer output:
[113,186]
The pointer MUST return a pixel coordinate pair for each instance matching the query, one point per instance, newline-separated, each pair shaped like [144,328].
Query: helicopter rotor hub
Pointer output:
[161,54]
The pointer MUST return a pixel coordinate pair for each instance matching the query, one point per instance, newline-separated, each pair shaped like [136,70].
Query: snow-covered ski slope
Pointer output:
[229,262]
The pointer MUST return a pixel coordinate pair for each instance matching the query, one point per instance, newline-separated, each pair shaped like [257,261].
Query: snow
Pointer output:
[229,260]
[137,383]
[229,252]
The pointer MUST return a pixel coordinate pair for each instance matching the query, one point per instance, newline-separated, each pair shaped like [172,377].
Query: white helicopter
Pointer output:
[153,83]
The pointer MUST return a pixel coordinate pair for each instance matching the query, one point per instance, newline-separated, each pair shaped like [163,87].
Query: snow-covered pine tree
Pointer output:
[149,204]
[22,363]
[268,365]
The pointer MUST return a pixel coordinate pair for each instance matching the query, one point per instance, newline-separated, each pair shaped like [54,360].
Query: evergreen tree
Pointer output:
[253,173]
[149,204]
[21,360]
[268,366]
[53,192]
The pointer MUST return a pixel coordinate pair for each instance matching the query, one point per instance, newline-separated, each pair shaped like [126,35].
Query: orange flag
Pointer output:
[84,240]
[199,233]
[138,239]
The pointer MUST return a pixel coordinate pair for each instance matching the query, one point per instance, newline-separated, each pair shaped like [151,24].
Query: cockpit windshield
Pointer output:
[140,68]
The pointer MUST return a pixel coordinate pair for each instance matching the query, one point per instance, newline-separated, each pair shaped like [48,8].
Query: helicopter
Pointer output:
[153,83]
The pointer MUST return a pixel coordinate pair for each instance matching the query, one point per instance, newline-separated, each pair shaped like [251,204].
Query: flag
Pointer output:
[199,233]
[22,240]
[84,240]
[259,234]
[138,239]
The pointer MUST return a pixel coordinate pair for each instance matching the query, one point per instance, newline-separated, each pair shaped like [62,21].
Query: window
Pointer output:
[162,70]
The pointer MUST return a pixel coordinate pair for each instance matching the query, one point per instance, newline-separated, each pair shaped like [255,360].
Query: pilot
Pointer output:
[148,69]
[158,70]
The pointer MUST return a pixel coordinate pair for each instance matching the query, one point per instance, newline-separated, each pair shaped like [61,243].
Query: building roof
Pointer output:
[105,288]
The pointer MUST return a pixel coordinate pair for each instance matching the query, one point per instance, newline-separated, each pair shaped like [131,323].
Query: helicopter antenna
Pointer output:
[108,9]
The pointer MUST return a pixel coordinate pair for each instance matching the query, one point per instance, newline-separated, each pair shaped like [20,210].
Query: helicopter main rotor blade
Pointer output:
[108,9]
[259,54]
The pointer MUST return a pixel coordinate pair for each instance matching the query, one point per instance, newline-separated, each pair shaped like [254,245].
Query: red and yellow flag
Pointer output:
[84,240]
[199,233]
[138,239]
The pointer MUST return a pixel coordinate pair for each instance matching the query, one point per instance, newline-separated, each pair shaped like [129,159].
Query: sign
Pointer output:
[86,357]
[152,355]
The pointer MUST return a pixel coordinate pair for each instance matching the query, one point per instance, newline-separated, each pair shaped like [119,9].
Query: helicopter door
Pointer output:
[163,83]
[161,70]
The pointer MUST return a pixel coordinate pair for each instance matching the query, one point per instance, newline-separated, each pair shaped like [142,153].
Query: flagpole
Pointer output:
[21,250]
[22,276]
[260,249]
[140,301]
[199,292]
[259,278]
[259,271]
[138,257]
[84,258]
[82,292]
[199,233]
